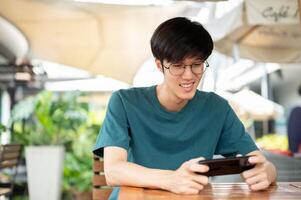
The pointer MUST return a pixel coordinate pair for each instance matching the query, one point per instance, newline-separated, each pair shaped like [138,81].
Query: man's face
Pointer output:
[180,79]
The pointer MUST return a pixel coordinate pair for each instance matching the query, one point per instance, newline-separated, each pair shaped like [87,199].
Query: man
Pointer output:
[154,136]
[294,128]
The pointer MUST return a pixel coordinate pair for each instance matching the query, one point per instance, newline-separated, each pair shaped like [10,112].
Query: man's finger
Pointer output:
[195,167]
[256,179]
[191,191]
[251,172]
[257,159]
[203,180]
[260,186]
[195,160]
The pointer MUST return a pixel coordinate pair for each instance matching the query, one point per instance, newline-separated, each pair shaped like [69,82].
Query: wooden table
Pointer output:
[218,191]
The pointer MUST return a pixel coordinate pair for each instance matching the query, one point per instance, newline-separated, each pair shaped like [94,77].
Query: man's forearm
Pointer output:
[130,174]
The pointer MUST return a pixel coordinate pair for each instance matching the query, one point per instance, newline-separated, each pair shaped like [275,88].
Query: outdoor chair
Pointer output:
[9,160]
[100,189]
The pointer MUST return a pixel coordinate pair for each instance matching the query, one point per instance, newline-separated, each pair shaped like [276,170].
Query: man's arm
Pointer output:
[262,175]
[184,180]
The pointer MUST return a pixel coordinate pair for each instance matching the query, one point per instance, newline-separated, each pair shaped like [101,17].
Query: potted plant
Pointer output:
[47,124]
[78,162]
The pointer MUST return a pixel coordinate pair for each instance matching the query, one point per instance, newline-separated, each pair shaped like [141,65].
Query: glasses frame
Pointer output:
[184,66]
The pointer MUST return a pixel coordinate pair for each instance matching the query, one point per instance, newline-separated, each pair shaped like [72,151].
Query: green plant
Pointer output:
[2,128]
[78,170]
[48,118]
[53,118]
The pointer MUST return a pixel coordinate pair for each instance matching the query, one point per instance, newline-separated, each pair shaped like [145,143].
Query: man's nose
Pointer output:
[187,71]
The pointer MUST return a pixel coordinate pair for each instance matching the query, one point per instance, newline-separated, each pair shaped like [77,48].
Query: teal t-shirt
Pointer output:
[157,138]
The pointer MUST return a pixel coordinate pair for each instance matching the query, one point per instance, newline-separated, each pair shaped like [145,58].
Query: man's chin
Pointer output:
[187,96]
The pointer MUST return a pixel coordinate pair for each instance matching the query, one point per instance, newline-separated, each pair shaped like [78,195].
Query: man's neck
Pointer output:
[169,100]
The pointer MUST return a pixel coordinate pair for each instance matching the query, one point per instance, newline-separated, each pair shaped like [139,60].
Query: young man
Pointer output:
[154,136]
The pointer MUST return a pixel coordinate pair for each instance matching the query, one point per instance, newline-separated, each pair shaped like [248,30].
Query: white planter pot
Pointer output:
[44,171]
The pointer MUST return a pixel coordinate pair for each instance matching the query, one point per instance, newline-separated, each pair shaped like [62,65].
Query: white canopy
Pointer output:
[12,42]
[264,31]
[107,40]
[248,104]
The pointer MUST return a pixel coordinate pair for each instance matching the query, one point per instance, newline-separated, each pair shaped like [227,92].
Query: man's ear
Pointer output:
[159,65]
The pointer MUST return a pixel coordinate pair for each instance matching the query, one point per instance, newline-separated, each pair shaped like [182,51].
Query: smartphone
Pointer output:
[225,166]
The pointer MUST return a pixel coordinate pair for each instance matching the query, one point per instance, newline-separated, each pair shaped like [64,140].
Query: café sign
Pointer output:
[271,12]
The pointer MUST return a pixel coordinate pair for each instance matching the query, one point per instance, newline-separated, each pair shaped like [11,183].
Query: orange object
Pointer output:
[282,152]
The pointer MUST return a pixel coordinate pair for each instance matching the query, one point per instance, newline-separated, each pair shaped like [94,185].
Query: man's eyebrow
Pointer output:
[198,60]
[182,61]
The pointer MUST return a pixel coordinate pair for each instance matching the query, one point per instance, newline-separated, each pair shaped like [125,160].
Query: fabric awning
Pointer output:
[103,39]
[264,31]
[249,105]
[299,2]
[13,44]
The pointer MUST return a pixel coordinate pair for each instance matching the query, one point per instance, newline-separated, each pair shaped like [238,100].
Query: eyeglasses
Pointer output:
[178,69]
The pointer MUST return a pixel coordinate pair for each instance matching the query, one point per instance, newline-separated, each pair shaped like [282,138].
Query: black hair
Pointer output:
[179,38]
[299,89]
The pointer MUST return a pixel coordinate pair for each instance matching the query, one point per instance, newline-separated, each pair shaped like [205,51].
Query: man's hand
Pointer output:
[262,175]
[185,180]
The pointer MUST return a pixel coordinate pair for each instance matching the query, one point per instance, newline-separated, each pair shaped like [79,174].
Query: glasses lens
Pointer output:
[176,69]
[197,68]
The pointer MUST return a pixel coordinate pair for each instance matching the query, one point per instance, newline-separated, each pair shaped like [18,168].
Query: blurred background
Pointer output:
[60,60]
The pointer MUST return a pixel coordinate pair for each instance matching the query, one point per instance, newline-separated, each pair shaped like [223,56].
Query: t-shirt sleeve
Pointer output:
[115,128]
[234,139]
